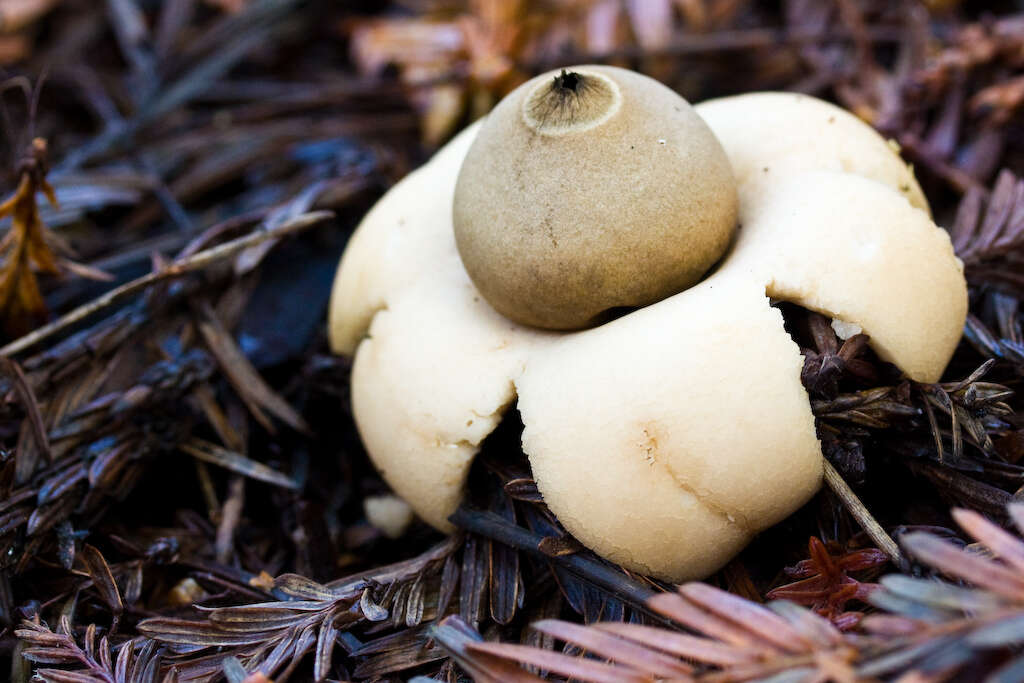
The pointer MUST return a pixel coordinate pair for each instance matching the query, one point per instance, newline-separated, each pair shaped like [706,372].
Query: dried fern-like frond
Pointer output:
[93,661]
[273,636]
[927,629]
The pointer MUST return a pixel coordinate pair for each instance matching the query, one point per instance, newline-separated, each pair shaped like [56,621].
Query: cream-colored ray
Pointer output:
[769,135]
[434,364]
[665,439]
[406,237]
[853,248]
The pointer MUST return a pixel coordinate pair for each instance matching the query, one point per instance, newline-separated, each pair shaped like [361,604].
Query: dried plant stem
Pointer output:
[176,269]
[867,522]
[498,528]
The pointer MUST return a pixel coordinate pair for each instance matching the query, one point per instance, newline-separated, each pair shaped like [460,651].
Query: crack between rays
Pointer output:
[650,453]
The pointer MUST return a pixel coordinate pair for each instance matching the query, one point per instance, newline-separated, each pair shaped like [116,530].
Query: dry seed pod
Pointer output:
[587,190]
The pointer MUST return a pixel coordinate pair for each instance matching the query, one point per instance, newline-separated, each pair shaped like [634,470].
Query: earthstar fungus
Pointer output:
[666,438]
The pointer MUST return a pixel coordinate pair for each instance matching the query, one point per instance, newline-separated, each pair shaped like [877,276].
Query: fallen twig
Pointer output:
[176,269]
[860,513]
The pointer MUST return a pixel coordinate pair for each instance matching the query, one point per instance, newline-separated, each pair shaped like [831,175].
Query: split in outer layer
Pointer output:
[621,424]
[823,223]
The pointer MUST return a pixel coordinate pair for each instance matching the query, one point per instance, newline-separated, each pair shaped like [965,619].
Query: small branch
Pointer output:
[860,513]
[176,269]
[498,528]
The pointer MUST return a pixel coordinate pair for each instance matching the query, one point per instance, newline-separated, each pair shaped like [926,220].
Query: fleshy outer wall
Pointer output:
[633,428]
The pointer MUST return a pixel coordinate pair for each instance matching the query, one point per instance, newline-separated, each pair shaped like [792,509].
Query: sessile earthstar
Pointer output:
[666,438]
